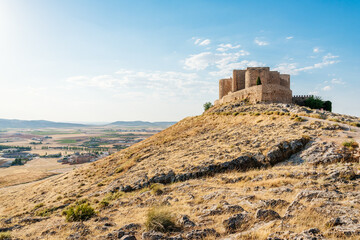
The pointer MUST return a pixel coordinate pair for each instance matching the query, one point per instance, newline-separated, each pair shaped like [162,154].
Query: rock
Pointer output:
[294,207]
[232,208]
[131,227]
[128,237]
[201,234]
[236,222]
[322,153]
[311,234]
[185,221]
[341,173]
[152,235]
[266,215]
[273,203]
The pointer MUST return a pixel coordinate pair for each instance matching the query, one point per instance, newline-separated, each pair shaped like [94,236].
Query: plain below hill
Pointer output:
[141,124]
[15,123]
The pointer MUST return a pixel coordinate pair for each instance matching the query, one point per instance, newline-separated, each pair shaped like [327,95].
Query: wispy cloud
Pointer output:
[221,61]
[291,68]
[327,88]
[225,47]
[316,50]
[201,42]
[260,42]
[165,84]
[290,37]
[337,81]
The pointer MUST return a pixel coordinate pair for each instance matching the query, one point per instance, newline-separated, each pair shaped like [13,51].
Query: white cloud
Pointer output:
[290,37]
[201,42]
[225,47]
[221,61]
[205,42]
[199,61]
[326,88]
[260,43]
[316,50]
[291,68]
[162,84]
[314,93]
[197,41]
[337,81]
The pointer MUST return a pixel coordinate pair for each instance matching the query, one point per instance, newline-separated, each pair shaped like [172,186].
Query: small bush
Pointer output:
[37,206]
[235,113]
[156,189]
[354,124]
[351,144]
[104,203]
[299,119]
[207,105]
[159,219]
[119,170]
[80,212]
[5,236]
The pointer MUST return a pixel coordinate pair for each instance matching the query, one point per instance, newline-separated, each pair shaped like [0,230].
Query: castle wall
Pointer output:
[275,87]
[260,93]
[285,80]
[225,86]
[238,82]
[252,73]
[300,99]
[274,78]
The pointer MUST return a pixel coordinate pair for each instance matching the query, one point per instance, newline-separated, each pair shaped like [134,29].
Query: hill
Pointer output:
[15,123]
[238,171]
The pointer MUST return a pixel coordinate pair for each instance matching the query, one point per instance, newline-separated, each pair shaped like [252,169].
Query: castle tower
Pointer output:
[238,82]
[225,86]
[252,73]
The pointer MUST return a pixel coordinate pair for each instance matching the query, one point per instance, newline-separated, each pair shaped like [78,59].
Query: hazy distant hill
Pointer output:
[15,123]
[141,124]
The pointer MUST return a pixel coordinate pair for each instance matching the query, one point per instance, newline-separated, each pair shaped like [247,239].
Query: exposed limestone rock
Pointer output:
[236,222]
[266,215]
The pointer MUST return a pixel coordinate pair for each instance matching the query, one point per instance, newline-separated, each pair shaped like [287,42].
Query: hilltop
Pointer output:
[238,171]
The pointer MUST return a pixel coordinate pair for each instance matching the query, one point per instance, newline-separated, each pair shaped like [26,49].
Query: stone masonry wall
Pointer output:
[238,80]
[260,93]
[275,87]
[225,86]
[252,73]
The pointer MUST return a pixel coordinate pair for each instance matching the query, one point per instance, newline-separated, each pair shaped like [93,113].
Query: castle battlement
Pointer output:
[274,87]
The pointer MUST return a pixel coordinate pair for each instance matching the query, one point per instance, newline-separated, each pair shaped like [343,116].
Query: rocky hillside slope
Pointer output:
[238,171]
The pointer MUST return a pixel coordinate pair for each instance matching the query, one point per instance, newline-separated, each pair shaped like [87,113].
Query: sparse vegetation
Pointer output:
[350,144]
[156,189]
[160,219]
[5,236]
[80,212]
[207,106]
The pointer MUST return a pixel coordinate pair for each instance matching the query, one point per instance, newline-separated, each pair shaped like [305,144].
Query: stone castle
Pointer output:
[245,84]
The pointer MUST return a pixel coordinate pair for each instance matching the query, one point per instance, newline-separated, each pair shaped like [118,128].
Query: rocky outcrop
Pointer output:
[278,153]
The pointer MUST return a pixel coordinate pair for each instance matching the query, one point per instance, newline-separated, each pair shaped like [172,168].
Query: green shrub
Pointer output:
[104,203]
[159,219]
[5,236]
[351,144]
[80,212]
[156,189]
[299,119]
[207,105]
[37,206]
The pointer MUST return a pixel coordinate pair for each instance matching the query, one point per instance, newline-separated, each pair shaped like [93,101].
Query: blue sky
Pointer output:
[76,60]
